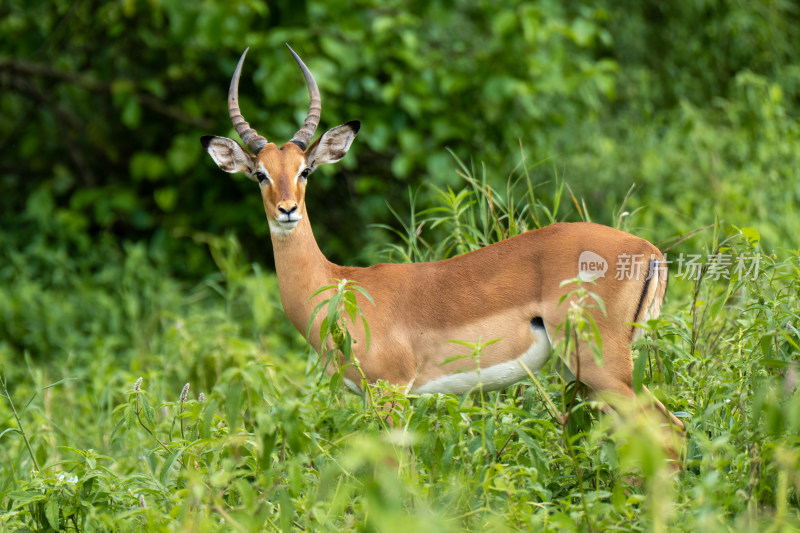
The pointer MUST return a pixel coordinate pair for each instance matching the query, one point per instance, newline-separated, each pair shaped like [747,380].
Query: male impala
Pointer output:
[508,291]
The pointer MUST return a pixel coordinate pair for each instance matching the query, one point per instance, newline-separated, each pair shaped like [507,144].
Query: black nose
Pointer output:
[287,211]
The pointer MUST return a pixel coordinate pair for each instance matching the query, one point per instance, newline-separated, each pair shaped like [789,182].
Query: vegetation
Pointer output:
[129,267]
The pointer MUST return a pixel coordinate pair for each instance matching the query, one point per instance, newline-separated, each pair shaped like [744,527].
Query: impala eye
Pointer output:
[261,176]
[306,171]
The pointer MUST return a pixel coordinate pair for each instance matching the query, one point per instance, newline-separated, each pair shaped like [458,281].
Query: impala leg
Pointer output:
[613,383]
[395,371]
[391,410]
[625,391]
[674,421]
[602,380]
[656,404]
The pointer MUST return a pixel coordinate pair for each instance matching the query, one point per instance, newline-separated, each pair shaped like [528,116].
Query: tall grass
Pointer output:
[275,445]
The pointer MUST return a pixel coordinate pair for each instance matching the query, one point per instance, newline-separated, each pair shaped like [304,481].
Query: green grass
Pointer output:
[274,445]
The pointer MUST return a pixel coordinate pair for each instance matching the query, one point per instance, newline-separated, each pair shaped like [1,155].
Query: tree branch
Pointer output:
[30,90]
[87,82]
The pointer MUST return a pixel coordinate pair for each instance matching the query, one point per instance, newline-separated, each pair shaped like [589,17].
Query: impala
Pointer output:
[510,290]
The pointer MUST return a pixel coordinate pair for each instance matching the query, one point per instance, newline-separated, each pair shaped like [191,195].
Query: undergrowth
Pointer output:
[99,433]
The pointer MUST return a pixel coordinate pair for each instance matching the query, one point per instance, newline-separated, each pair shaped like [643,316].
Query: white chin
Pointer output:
[282,229]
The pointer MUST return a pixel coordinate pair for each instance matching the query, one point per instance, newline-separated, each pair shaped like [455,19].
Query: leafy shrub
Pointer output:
[276,445]
[678,99]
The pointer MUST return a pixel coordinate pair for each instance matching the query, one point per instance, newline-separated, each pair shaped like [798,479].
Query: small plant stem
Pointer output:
[550,405]
[566,437]
[180,416]
[19,423]
[368,394]
[138,411]
[568,410]
[503,448]
[141,423]
[228,518]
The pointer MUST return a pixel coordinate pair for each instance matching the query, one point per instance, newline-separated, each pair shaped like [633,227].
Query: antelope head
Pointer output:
[281,172]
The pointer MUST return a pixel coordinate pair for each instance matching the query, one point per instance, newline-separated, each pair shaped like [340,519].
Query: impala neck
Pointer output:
[302,269]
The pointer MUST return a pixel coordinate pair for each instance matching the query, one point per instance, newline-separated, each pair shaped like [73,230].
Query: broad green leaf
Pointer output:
[638,371]
[51,511]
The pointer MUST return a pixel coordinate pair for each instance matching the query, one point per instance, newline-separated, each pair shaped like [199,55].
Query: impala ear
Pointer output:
[229,155]
[332,145]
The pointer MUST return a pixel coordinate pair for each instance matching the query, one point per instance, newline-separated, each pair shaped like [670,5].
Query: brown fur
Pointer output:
[491,293]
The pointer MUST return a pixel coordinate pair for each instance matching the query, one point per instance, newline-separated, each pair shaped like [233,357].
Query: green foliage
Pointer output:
[334,330]
[117,261]
[103,104]
[270,446]
[579,327]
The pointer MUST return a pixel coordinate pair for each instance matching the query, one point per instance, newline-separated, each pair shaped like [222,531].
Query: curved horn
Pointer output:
[306,133]
[249,135]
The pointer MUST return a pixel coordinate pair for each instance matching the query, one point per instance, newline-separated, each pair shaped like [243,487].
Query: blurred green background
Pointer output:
[125,253]
[103,103]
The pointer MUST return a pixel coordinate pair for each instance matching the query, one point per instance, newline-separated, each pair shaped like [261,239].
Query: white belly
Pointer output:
[494,377]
